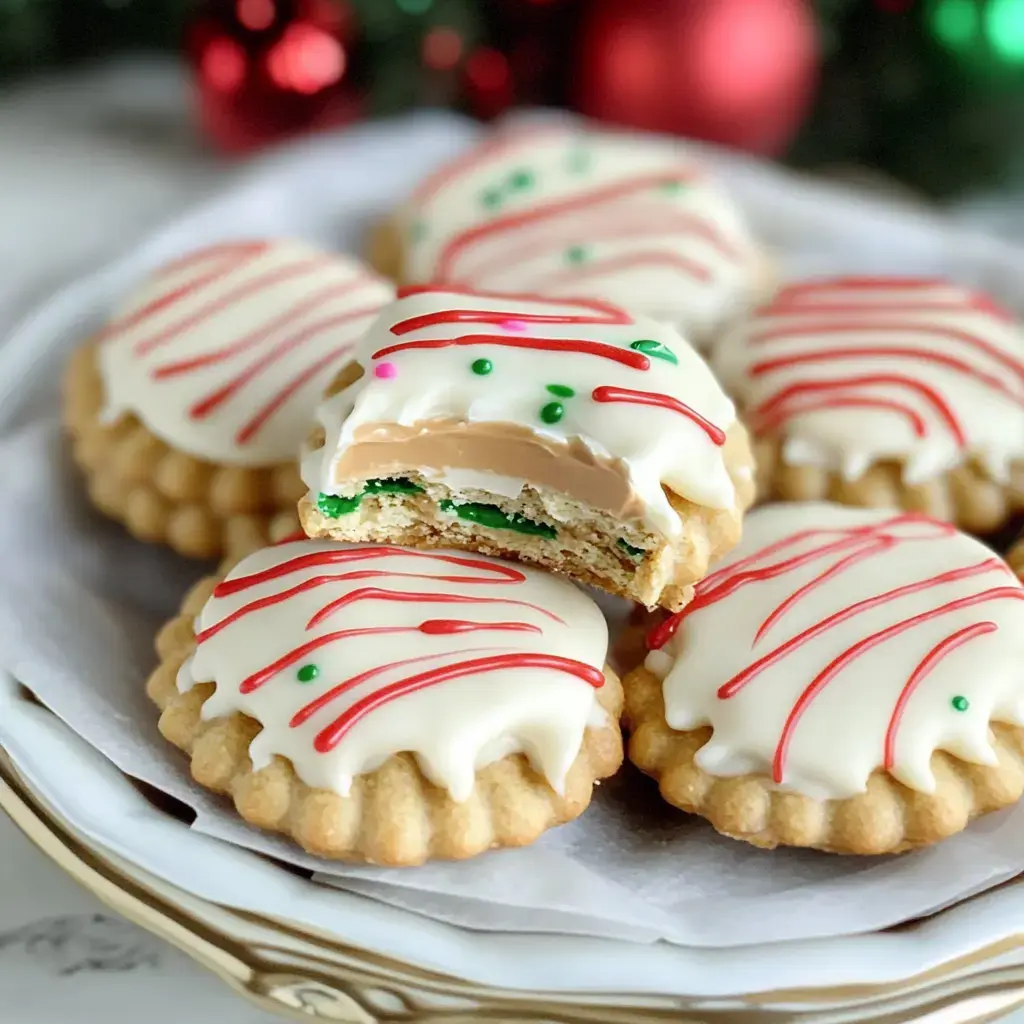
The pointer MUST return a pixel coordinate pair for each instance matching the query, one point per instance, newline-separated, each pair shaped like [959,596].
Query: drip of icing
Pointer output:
[662,420]
[846,626]
[518,671]
[223,353]
[853,371]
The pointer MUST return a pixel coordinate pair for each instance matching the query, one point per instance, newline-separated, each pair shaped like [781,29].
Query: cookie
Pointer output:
[187,411]
[1016,557]
[568,212]
[849,679]
[567,434]
[391,706]
[889,391]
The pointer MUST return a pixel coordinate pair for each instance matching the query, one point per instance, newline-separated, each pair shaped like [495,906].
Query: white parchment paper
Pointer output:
[80,601]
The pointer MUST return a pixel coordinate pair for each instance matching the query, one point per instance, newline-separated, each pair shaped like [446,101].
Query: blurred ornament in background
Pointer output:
[737,72]
[268,69]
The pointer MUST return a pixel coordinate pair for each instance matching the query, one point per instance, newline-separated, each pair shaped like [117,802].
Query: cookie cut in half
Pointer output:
[566,212]
[568,434]
[187,411]
[887,391]
[848,679]
[391,706]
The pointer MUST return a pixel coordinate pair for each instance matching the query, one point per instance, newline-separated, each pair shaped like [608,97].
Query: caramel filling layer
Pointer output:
[507,449]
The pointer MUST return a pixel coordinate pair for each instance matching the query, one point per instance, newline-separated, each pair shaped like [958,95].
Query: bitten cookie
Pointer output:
[849,679]
[567,212]
[567,434]
[389,705]
[188,410]
[896,392]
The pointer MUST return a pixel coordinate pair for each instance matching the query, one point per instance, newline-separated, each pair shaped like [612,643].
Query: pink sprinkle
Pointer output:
[513,325]
[386,371]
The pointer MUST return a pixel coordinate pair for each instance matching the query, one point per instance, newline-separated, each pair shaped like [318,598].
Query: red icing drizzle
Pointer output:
[828,309]
[609,394]
[480,572]
[328,738]
[614,204]
[924,667]
[217,266]
[849,547]
[625,356]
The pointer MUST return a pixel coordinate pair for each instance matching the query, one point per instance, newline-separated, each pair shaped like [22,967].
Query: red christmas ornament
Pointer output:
[268,69]
[737,72]
[489,87]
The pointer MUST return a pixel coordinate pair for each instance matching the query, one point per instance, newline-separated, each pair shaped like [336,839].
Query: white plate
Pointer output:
[965,952]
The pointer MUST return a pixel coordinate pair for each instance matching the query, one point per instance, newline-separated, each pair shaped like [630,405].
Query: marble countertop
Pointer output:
[87,164]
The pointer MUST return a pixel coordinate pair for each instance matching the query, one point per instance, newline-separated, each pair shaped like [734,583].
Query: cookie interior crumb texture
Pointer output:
[388,811]
[868,698]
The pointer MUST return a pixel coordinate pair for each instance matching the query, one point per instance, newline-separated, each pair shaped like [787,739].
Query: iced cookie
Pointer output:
[849,679]
[188,409]
[567,212]
[895,392]
[568,434]
[389,705]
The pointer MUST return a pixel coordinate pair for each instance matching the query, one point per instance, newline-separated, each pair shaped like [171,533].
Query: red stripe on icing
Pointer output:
[611,394]
[930,661]
[834,667]
[328,738]
[625,356]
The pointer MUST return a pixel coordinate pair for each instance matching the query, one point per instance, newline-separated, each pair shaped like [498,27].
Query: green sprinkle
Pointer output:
[491,198]
[552,412]
[395,485]
[520,179]
[649,347]
[561,390]
[578,161]
[634,553]
[307,673]
[960,703]
[333,507]
[672,186]
[493,517]
[418,231]
[482,367]
[576,253]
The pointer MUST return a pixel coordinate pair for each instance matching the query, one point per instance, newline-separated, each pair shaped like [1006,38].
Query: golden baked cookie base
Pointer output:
[887,818]
[393,816]
[965,496]
[1016,557]
[200,509]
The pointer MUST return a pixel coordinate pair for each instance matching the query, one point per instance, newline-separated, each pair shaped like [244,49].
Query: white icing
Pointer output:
[841,737]
[282,315]
[680,253]
[960,360]
[452,728]
[658,446]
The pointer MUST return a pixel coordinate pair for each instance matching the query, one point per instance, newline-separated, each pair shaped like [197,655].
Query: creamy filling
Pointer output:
[439,446]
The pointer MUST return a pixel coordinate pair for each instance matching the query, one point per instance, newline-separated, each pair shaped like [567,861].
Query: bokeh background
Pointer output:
[929,93]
